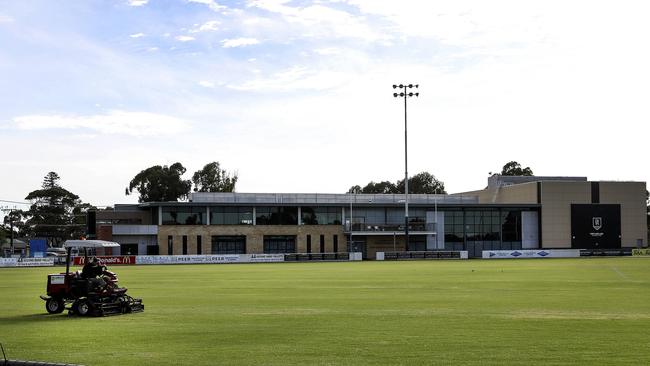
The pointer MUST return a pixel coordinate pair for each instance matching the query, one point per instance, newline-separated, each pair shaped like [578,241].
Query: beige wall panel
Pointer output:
[254,236]
[525,193]
[631,197]
[557,198]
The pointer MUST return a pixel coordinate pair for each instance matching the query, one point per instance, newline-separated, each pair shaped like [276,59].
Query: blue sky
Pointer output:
[296,95]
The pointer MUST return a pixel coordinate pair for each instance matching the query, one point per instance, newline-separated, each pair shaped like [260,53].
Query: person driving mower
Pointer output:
[93,272]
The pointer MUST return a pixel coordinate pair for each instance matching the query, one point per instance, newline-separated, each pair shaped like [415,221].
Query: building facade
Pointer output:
[510,213]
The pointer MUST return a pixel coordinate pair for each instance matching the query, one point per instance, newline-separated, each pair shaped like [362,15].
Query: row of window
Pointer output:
[272,215]
[273,244]
[494,225]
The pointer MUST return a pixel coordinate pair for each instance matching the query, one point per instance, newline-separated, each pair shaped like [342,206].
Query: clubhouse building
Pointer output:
[510,213]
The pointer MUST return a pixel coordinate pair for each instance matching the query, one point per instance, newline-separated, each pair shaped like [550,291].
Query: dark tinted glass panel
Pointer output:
[191,215]
[277,216]
[321,215]
[228,244]
[276,244]
[231,215]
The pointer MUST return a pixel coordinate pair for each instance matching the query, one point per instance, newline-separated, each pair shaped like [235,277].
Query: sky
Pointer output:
[296,96]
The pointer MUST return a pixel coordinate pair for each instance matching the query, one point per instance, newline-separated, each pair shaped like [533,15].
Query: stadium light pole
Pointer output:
[403,93]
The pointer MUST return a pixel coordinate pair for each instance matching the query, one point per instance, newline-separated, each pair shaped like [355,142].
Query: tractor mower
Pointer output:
[85,295]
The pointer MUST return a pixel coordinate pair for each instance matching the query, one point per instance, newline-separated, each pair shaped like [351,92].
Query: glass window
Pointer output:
[184,244]
[231,216]
[274,215]
[511,226]
[321,215]
[279,244]
[228,244]
[183,215]
[417,243]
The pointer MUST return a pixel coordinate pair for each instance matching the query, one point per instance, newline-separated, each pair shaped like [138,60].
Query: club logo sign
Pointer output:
[597,223]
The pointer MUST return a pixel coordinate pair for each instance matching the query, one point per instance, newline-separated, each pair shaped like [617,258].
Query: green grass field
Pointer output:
[478,312]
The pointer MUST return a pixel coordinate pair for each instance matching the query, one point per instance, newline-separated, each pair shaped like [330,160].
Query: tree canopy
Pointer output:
[160,184]
[55,213]
[514,168]
[421,183]
[214,179]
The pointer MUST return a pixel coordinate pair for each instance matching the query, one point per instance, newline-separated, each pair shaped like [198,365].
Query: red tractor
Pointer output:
[92,292]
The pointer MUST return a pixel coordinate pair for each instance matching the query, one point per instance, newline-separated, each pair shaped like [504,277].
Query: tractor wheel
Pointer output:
[83,307]
[54,305]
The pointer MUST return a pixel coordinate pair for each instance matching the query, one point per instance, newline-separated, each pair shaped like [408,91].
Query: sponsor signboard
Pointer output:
[35,262]
[107,260]
[8,262]
[188,259]
[641,252]
[538,253]
[261,258]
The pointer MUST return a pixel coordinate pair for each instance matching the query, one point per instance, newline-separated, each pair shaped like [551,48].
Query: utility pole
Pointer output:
[404,94]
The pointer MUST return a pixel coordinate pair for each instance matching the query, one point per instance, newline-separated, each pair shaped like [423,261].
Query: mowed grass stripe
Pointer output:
[501,312]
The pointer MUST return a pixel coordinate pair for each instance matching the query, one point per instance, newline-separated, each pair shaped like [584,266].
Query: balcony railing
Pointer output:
[390,228]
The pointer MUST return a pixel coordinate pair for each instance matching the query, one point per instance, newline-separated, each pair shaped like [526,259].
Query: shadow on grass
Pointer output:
[33,318]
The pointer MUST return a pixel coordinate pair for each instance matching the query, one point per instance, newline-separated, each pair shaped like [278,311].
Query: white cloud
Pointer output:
[184,38]
[6,19]
[239,42]
[152,49]
[206,84]
[322,21]
[298,77]
[116,122]
[136,35]
[138,2]
[212,25]
[327,51]
[211,3]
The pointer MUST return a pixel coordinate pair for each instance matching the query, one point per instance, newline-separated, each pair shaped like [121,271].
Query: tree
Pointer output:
[423,183]
[355,189]
[213,179]
[52,213]
[420,183]
[160,184]
[372,187]
[514,168]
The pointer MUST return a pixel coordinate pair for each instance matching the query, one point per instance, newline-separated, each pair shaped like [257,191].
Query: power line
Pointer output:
[18,202]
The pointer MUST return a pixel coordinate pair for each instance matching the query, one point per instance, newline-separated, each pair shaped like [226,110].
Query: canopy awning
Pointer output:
[90,244]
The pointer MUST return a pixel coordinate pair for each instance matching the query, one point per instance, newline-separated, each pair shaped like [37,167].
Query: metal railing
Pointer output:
[328,198]
[414,227]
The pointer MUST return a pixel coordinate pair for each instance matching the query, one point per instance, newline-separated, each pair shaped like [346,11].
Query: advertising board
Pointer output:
[641,252]
[261,258]
[8,262]
[538,253]
[107,260]
[188,259]
[35,262]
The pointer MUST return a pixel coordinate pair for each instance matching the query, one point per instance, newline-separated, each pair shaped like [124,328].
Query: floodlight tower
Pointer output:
[404,93]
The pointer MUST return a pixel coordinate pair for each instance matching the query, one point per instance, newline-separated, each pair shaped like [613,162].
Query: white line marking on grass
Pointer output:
[621,274]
